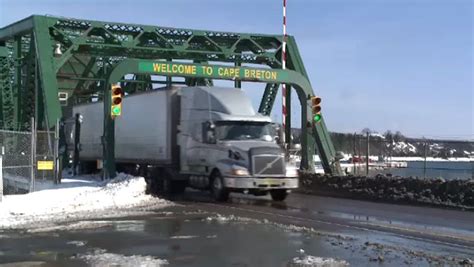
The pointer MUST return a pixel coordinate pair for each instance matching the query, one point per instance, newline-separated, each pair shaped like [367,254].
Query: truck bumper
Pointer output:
[260,183]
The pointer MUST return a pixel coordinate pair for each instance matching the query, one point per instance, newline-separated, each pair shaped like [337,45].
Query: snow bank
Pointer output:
[78,198]
[312,261]
[100,258]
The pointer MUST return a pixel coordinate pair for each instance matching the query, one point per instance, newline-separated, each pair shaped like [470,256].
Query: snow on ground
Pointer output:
[312,261]
[222,219]
[184,237]
[78,198]
[375,134]
[77,243]
[404,146]
[100,257]
[464,159]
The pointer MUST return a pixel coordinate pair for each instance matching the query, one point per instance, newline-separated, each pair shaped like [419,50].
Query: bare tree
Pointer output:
[398,137]
[365,131]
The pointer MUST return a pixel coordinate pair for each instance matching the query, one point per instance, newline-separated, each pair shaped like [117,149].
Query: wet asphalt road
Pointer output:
[251,231]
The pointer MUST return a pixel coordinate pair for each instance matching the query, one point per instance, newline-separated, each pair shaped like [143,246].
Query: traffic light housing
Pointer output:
[316,108]
[116,103]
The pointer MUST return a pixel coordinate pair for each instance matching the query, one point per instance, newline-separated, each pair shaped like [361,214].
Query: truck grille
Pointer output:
[268,165]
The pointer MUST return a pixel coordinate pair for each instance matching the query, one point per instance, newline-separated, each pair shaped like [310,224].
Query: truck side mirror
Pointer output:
[209,133]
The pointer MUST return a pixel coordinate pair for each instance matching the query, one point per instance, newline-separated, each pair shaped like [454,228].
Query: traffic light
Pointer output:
[116,103]
[316,108]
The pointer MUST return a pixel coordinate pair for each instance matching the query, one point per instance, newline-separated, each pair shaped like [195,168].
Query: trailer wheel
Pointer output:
[278,194]
[218,191]
[153,184]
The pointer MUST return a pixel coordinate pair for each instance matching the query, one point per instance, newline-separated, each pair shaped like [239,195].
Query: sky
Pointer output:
[399,65]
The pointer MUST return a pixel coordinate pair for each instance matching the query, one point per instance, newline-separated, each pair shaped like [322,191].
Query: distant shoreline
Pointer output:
[459,159]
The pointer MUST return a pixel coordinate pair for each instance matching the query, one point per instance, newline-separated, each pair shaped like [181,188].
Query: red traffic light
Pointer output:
[117,91]
[316,109]
[315,100]
[316,104]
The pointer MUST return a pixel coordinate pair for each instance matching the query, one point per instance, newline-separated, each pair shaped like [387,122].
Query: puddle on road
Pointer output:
[375,221]
[361,219]
[198,240]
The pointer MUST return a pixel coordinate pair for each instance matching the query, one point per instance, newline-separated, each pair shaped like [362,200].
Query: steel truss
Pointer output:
[44,59]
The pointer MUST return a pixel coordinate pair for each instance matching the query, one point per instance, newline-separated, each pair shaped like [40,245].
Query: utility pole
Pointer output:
[353,154]
[424,154]
[367,156]
[360,154]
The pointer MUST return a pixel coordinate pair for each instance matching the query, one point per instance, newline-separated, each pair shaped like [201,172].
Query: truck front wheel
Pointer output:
[218,190]
[278,194]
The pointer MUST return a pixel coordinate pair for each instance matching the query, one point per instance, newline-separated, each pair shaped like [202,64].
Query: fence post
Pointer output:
[33,154]
[77,135]
[56,154]
[1,178]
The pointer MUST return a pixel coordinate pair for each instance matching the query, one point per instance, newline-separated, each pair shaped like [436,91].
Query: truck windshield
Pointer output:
[243,130]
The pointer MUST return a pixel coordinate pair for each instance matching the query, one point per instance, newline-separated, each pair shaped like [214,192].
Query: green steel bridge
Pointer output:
[48,64]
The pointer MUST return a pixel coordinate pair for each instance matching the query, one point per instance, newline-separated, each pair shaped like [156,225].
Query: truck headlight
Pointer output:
[239,171]
[291,172]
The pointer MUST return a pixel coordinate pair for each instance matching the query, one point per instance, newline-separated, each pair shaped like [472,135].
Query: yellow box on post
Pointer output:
[45,165]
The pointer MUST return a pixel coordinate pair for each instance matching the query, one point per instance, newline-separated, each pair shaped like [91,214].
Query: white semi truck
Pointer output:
[208,138]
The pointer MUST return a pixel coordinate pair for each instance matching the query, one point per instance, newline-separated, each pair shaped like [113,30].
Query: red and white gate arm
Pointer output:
[283,63]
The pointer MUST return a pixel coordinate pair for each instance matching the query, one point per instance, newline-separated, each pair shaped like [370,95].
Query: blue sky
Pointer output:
[402,65]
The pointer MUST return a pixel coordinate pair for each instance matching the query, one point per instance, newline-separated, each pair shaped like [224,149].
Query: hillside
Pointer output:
[389,144]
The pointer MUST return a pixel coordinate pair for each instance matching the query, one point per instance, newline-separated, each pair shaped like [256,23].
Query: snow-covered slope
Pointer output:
[403,147]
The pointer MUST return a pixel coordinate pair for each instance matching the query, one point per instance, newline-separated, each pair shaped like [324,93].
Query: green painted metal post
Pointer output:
[108,139]
[17,83]
[4,82]
[288,116]
[237,82]
[307,141]
[321,137]
[268,99]
[49,83]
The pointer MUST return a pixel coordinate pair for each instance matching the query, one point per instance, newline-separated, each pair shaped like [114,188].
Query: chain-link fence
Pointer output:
[369,153]
[398,155]
[45,151]
[16,150]
[22,154]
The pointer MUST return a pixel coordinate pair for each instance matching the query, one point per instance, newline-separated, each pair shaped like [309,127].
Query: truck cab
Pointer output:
[225,146]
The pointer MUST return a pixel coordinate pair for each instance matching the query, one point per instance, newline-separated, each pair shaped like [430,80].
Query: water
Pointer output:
[445,169]
[198,241]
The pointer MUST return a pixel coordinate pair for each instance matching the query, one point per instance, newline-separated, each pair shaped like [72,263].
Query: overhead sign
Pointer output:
[210,71]
[46,165]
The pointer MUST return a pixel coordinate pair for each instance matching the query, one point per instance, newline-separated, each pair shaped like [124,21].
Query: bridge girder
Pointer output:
[32,74]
